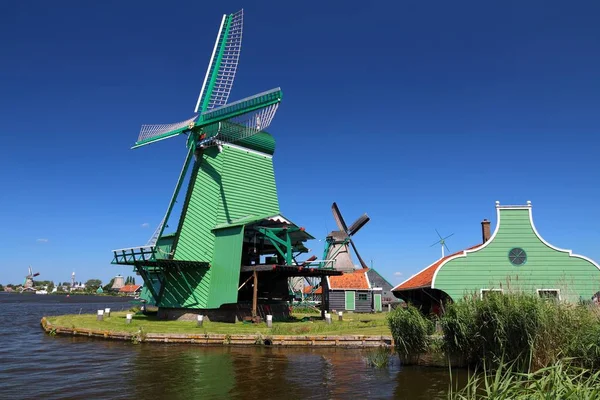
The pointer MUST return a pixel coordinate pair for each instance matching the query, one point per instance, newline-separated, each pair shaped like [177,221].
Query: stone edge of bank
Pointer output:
[225,339]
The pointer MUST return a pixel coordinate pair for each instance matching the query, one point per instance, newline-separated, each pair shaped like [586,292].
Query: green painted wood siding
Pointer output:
[350,300]
[225,270]
[545,268]
[224,186]
[377,301]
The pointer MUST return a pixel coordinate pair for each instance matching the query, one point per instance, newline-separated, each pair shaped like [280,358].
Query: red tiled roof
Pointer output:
[424,278]
[308,290]
[129,288]
[350,280]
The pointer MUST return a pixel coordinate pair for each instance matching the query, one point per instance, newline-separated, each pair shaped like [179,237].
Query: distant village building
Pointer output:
[312,294]
[130,290]
[515,258]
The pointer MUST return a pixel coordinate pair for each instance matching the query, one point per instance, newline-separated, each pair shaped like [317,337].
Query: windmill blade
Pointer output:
[446,246]
[448,236]
[360,260]
[339,220]
[358,224]
[36,274]
[240,107]
[440,236]
[438,242]
[223,63]
[240,127]
[154,133]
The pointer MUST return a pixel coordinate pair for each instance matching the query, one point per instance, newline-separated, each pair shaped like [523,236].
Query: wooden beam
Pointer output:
[255,294]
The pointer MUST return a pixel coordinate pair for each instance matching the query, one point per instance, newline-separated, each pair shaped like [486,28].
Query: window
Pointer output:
[517,256]
[362,297]
[484,292]
[550,294]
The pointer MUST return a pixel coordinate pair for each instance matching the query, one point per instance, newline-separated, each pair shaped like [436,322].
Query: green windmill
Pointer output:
[230,229]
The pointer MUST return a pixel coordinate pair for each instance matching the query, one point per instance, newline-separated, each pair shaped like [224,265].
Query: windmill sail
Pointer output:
[222,67]
[241,119]
[154,133]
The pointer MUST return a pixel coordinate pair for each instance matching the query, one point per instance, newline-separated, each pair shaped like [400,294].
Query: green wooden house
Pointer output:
[514,258]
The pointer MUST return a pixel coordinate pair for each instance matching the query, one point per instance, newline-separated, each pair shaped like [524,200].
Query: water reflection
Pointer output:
[79,367]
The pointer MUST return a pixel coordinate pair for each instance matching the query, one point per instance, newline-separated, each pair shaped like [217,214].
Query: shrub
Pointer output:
[410,330]
[521,329]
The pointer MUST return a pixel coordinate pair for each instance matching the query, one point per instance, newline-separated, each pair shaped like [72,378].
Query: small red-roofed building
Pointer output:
[130,290]
[351,292]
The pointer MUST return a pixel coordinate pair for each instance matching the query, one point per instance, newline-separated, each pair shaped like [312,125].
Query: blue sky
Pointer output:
[421,114]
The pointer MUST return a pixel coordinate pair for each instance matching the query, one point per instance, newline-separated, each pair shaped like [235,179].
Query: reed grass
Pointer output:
[410,330]
[379,357]
[560,380]
[525,330]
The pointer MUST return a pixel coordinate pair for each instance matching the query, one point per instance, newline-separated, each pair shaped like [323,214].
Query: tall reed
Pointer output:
[560,380]
[410,330]
[523,329]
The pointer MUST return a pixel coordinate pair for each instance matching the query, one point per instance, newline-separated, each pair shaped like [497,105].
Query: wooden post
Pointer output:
[255,295]
[324,296]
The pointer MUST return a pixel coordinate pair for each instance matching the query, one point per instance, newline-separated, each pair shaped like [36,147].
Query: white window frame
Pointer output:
[549,290]
[489,290]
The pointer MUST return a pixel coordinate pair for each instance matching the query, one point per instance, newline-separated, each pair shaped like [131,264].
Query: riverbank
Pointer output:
[356,330]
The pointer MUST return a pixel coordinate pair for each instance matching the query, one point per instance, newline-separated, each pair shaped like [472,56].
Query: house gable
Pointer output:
[542,265]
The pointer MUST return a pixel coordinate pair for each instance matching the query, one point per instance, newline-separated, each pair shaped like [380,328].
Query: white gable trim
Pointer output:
[498,208]
[570,252]
[464,253]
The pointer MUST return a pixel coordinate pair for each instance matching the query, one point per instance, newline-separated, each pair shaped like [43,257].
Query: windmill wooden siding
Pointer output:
[545,268]
[217,198]
[337,301]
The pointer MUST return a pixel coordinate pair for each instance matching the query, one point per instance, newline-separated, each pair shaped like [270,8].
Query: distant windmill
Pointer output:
[442,241]
[29,278]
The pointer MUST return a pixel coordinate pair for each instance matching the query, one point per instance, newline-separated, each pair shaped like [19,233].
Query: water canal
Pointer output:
[35,365]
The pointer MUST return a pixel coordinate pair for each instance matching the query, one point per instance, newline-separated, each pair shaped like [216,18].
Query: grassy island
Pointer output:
[299,324]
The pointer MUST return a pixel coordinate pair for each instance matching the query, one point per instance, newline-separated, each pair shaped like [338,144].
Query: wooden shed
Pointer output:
[351,292]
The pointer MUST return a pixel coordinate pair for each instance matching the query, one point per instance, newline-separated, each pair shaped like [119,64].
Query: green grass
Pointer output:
[353,324]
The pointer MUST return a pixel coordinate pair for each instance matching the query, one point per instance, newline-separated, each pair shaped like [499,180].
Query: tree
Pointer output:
[108,286]
[50,287]
[93,284]
[1,288]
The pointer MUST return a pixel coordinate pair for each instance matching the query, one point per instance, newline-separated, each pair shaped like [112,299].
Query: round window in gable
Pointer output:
[517,256]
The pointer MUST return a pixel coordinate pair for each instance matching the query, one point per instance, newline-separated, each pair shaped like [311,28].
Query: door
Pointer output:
[350,303]
[377,302]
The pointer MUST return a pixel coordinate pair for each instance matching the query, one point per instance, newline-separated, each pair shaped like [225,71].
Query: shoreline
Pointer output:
[215,339]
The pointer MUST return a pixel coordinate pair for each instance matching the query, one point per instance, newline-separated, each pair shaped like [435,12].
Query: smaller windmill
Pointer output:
[442,242]
[337,246]
[29,279]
